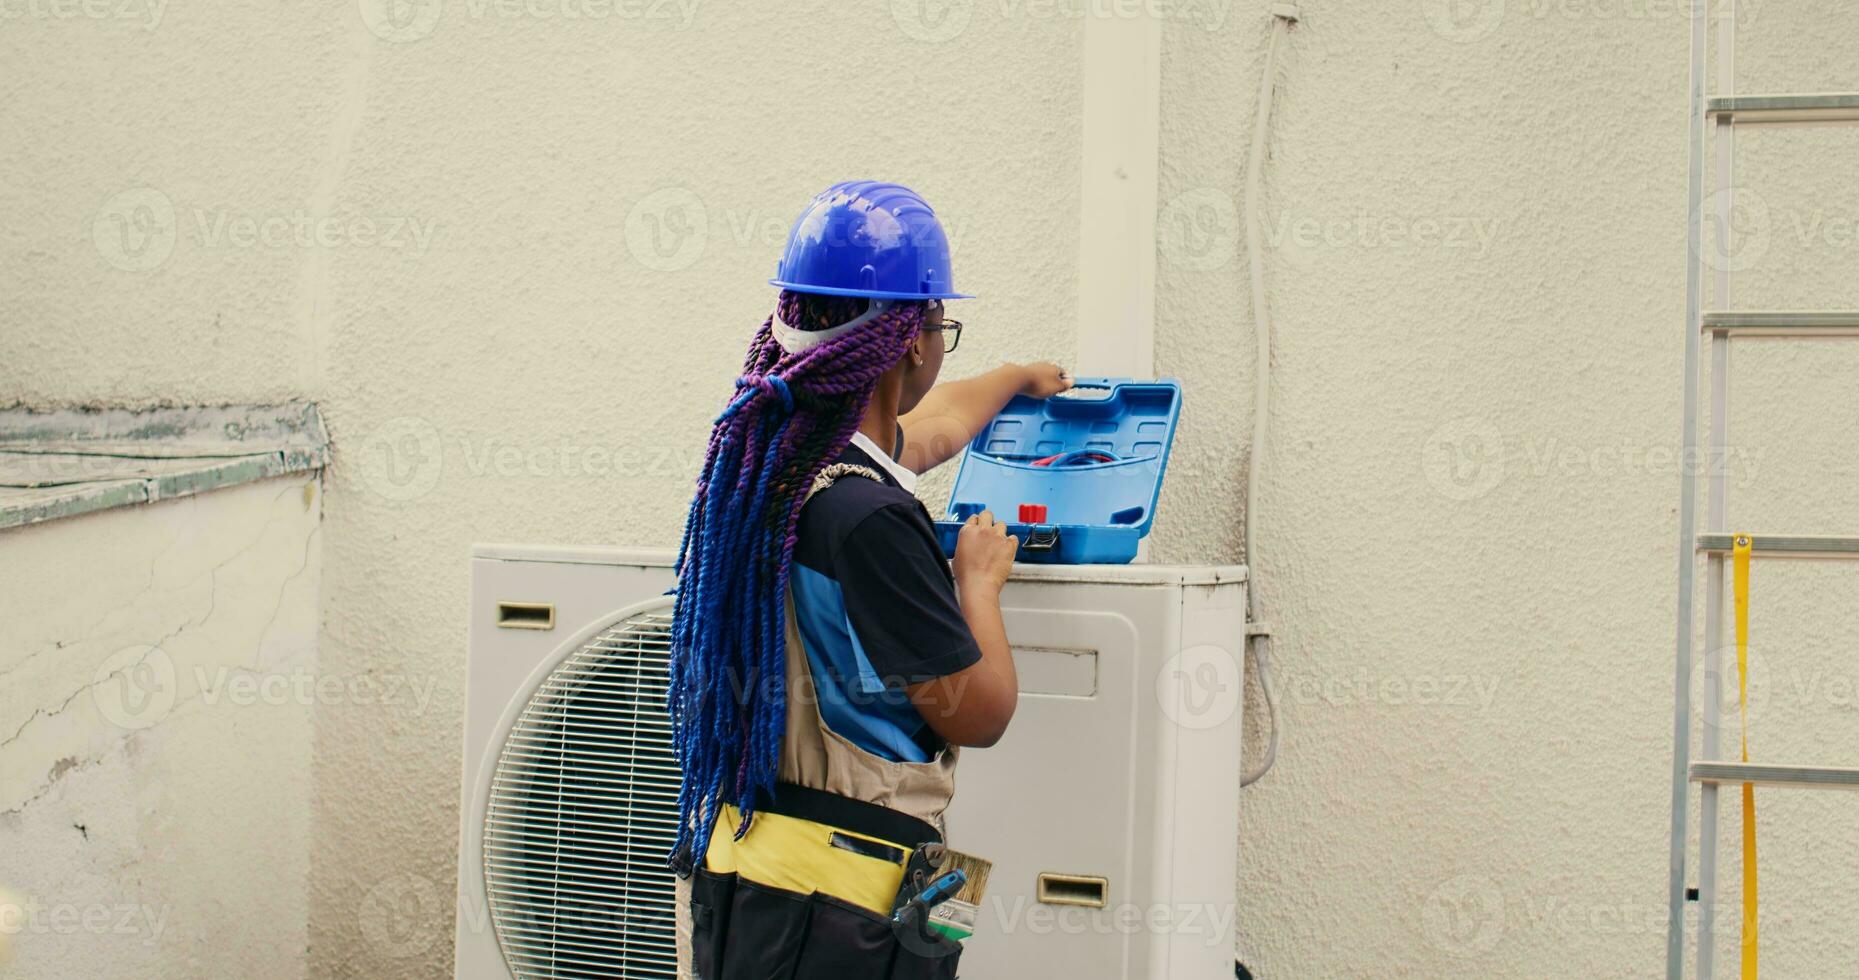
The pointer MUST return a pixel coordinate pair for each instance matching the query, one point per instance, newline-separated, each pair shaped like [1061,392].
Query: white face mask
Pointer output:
[794,341]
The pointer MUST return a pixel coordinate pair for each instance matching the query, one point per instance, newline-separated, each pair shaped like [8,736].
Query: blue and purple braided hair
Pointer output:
[792,415]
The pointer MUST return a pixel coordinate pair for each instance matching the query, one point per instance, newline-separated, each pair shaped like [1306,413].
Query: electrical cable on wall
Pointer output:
[1258,631]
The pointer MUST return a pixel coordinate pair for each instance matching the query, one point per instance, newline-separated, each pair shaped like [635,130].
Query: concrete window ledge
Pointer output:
[159,689]
[73,461]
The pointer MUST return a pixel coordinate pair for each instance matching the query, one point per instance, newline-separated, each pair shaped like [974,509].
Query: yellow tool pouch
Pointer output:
[807,894]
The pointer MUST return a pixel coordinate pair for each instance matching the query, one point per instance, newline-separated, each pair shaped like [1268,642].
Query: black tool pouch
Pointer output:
[743,930]
[712,898]
[922,953]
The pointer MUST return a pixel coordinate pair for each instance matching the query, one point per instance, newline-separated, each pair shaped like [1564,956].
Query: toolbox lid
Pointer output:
[1092,457]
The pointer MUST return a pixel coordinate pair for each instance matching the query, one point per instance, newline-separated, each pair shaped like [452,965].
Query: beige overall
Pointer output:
[794,856]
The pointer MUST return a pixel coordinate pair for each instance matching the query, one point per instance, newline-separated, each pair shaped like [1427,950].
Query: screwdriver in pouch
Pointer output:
[933,894]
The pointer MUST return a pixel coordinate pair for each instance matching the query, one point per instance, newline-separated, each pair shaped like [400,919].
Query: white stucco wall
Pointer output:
[550,240]
[157,677]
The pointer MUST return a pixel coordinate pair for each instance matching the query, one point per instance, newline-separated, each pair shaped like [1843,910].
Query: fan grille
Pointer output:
[583,808]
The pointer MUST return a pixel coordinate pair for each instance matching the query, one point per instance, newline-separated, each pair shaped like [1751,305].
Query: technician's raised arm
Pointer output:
[956,411]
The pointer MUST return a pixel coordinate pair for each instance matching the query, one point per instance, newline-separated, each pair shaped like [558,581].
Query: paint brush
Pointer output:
[955,916]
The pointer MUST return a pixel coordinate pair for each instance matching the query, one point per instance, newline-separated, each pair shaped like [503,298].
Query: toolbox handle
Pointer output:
[1041,539]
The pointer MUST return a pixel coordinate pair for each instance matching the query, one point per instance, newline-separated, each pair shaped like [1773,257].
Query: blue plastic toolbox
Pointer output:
[1075,477]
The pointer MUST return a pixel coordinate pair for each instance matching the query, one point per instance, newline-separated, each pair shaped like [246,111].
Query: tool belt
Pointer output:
[809,891]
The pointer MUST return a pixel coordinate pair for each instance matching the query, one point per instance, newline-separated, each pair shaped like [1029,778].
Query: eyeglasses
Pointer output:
[951,334]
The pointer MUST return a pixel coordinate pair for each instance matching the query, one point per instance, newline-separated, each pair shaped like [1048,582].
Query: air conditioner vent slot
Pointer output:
[1089,891]
[526,615]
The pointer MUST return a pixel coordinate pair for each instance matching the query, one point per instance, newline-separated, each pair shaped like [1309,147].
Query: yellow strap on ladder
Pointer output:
[1739,553]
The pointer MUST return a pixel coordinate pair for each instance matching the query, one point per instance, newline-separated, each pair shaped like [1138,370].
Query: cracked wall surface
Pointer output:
[157,688]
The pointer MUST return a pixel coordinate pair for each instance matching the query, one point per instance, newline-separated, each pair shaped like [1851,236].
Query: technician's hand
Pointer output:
[1045,379]
[984,554]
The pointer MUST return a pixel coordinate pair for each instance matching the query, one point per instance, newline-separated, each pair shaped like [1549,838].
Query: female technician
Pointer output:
[826,660]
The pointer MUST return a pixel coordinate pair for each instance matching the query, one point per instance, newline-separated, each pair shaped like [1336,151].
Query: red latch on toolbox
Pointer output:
[1032,513]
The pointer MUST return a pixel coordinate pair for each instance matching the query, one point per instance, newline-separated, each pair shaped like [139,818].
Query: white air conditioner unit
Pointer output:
[1110,809]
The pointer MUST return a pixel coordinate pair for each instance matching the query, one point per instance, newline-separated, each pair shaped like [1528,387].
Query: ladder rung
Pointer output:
[1817,107]
[1787,545]
[1811,777]
[1783,323]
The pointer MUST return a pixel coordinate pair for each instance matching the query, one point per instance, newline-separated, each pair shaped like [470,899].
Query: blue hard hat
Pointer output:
[867,238]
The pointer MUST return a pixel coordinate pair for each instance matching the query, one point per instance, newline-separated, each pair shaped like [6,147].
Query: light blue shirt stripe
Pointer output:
[853,700]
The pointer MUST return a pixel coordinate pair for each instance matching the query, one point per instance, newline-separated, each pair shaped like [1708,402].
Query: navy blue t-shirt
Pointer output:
[877,610]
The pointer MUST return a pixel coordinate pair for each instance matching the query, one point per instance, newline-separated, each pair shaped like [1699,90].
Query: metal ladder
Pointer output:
[1723,113]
